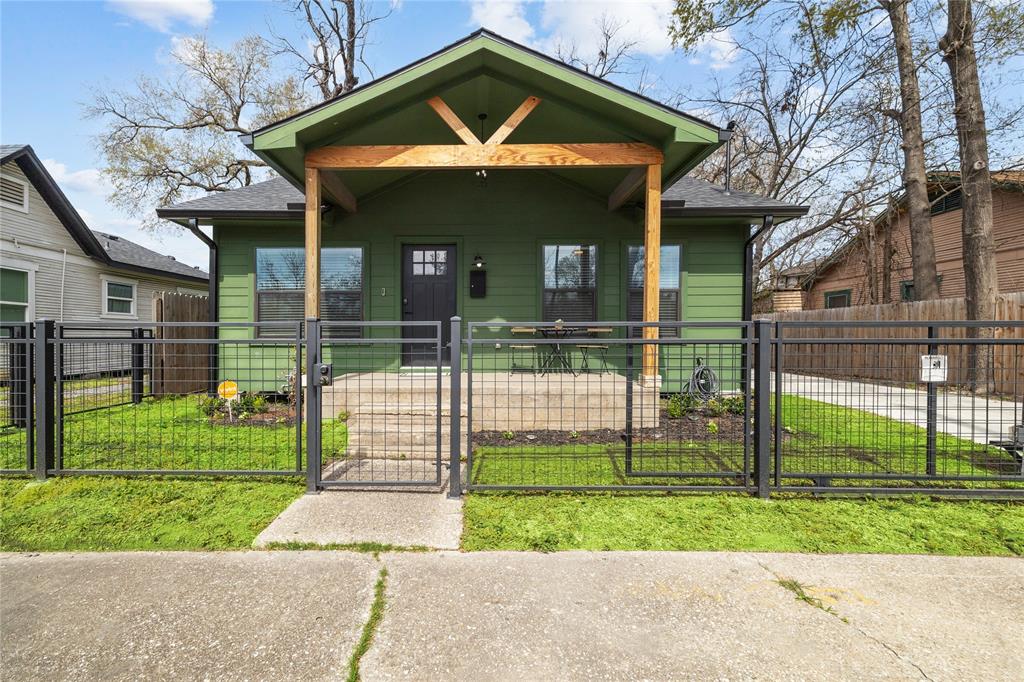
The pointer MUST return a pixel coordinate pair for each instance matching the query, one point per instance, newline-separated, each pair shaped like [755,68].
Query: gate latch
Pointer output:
[325,370]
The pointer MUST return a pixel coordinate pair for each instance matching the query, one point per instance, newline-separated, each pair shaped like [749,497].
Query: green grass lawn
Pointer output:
[173,434]
[106,514]
[563,521]
[819,438]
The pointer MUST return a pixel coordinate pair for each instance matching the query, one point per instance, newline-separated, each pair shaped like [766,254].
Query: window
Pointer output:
[118,297]
[280,289]
[14,193]
[837,299]
[670,299]
[947,202]
[14,295]
[907,289]
[430,262]
[570,283]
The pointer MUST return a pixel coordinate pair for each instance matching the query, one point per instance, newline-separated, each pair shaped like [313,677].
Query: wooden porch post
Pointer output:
[652,265]
[312,242]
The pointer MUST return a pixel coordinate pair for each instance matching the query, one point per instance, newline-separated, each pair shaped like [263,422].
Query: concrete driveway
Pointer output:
[489,616]
[977,419]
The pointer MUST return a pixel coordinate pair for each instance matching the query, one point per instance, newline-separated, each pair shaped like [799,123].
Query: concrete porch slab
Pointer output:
[350,516]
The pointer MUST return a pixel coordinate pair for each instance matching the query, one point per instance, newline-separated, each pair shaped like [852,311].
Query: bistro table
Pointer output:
[556,359]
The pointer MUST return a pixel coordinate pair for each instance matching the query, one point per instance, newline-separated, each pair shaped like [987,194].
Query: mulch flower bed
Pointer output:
[689,427]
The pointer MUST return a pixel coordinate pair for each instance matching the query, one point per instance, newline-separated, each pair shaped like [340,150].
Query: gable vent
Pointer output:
[14,193]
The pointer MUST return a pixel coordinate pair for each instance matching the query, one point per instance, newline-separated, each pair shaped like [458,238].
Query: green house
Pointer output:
[484,157]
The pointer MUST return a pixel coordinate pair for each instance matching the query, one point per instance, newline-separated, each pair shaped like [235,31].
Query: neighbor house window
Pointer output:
[280,289]
[14,295]
[837,299]
[14,193]
[118,297]
[947,202]
[570,283]
[669,292]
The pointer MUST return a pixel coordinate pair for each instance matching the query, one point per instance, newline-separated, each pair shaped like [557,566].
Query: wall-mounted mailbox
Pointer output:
[477,283]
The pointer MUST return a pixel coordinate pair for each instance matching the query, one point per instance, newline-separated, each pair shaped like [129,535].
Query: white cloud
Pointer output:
[506,17]
[163,14]
[577,23]
[87,180]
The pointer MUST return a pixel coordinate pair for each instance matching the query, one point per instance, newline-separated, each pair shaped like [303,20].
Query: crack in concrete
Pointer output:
[372,624]
[801,596]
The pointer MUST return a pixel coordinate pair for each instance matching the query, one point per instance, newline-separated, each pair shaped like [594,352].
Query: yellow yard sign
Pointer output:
[227,390]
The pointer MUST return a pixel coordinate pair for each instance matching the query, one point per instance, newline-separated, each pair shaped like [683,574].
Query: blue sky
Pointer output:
[53,55]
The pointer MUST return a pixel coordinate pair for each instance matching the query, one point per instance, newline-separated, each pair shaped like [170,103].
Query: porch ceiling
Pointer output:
[486,74]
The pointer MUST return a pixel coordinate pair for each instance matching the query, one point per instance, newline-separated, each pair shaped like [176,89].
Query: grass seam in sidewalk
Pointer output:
[370,626]
[367,547]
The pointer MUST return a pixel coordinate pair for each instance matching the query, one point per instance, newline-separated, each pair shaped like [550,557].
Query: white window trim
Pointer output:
[23,206]
[30,268]
[134,284]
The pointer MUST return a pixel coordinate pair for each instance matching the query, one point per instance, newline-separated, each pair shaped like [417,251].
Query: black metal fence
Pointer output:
[762,407]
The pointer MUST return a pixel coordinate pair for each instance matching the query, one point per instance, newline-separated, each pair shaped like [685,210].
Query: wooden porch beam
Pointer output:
[652,266]
[420,157]
[513,121]
[625,189]
[453,120]
[337,192]
[312,242]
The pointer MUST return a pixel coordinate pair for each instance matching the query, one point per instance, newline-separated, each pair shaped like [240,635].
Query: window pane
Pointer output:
[12,312]
[117,305]
[14,285]
[115,290]
[670,267]
[570,266]
[341,269]
[569,306]
[668,310]
[280,269]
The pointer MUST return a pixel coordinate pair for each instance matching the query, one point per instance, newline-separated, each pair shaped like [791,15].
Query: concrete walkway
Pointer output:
[977,419]
[491,616]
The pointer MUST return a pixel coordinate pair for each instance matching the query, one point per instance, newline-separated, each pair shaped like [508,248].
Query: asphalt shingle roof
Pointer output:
[275,195]
[701,194]
[126,251]
[272,195]
[8,149]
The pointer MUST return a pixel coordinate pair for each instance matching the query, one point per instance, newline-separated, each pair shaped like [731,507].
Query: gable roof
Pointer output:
[129,256]
[126,252]
[277,198]
[486,74]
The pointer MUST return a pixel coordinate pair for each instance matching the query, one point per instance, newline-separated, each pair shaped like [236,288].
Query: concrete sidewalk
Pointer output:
[297,615]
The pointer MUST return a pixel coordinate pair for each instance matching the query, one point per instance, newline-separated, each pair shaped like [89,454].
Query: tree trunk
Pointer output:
[957,46]
[922,246]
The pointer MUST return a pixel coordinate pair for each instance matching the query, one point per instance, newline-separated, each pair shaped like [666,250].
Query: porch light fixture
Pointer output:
[479,262]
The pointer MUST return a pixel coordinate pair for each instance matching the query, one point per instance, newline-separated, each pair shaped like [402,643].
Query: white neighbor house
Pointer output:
[53,266]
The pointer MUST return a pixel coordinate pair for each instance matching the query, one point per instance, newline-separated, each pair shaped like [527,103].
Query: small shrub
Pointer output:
[712,427]
[508,435]
[211,405]
[680,404]
[343,416]
[714,407]
[574,434]
[733,404]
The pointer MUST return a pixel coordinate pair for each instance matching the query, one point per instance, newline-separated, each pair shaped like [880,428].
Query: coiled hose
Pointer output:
[703,383]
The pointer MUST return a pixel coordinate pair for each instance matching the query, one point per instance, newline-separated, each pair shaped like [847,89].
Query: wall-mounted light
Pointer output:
[479,262]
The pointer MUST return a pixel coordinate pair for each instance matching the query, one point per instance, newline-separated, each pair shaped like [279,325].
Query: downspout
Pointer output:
[748,267]
[213,295]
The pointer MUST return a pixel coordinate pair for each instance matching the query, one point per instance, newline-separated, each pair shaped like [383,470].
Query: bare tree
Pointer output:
[163,140]
[915,175]
[331,51]
[166,139]
[981,284]
[611,56]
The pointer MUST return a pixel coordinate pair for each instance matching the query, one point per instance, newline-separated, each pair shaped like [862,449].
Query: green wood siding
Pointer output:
[507,221]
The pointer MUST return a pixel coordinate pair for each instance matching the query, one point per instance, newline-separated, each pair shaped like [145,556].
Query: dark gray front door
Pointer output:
[428,293]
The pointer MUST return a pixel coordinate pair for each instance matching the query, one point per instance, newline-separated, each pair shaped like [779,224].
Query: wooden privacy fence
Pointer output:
[181,367]
[900,363]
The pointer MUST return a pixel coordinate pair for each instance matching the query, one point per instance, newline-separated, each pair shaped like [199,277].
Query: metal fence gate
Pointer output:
[373,417]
